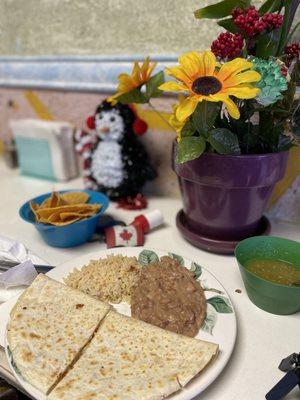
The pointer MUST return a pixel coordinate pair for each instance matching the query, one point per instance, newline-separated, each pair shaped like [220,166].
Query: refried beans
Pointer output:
[167,295]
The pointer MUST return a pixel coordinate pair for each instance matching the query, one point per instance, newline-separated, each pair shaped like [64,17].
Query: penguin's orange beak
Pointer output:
[105,129]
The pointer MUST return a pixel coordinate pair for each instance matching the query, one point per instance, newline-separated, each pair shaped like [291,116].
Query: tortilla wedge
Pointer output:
[49,326]
[129,359]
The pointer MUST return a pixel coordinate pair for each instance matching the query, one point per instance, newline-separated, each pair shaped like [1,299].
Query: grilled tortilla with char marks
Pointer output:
[129,359]
[49,326]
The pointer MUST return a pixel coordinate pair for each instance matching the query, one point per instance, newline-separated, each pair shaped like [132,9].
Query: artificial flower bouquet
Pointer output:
[237,98]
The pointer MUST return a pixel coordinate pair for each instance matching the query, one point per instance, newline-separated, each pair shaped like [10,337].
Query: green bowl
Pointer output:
[269,296]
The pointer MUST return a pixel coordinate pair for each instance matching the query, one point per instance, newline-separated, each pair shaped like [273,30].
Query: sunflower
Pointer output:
[203,78]
[174,122]
[139,76]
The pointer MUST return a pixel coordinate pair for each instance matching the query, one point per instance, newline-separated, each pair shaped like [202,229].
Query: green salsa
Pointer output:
[276,271]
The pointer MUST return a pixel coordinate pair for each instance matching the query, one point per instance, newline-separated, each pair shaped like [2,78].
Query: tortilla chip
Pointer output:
[75,197]
[34,207]
[66,215]
[54,201]
[46,212]
[67,222]
[64,209]
[55,217]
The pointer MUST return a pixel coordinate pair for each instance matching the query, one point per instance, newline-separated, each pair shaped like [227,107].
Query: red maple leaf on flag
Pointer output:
[125,235]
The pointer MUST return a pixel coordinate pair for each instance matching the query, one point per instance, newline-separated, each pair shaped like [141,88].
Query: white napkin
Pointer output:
[10,250]
[14,281]
[21,275]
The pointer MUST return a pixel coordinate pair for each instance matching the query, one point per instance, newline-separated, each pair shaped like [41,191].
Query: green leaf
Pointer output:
[210,319]
[228,24]
[224,141]
[267,45]
[284,30]
[148,257]
[292,32]
[135,96]
[209,289]
[196,269]
[188,129]
[269,131]
[271,6]
[204,117]
[178,258]
[221,9]
[190,148]
[221,304]
[152,85]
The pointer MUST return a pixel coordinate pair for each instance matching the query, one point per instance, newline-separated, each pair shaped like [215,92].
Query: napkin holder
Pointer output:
[45,148]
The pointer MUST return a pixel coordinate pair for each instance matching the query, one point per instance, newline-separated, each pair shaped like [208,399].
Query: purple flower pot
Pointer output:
[224,197]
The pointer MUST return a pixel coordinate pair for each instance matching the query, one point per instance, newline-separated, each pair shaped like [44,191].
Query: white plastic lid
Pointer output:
[154,218]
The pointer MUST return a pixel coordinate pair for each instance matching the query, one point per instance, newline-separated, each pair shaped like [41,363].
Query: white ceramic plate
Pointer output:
[219,326]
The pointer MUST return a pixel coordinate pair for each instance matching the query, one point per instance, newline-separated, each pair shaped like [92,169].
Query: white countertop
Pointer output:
[263,339]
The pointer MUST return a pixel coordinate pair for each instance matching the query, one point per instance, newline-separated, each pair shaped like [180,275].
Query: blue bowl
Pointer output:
[68,235]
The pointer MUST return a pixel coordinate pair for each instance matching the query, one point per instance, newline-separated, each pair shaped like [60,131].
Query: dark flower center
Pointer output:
[206,85]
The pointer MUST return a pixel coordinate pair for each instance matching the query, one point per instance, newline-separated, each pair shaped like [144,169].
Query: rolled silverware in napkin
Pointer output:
[40,268]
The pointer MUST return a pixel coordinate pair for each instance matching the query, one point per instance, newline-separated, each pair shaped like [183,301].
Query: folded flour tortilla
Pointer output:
[130,359]
[49,326]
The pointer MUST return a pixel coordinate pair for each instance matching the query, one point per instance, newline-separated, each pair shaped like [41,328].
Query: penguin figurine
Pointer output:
[114,160]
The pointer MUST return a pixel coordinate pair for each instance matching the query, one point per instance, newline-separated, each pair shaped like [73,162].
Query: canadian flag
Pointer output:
[124,236]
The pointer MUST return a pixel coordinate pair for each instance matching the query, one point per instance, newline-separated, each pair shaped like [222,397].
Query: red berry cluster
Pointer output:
[250,23]
[227,45]
[272,21]
[236,12]
[292,51]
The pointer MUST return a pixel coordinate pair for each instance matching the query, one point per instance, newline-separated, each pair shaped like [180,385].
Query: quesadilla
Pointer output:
[49,326]
[129,359]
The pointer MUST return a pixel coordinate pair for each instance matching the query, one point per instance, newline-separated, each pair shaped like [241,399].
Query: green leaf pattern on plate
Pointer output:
[210,319]
[148,257]
[178,258]
[208,289]
[196,269]
[221,304]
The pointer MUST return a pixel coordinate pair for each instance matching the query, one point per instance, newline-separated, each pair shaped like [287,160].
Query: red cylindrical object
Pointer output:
[124,236]
[149,220]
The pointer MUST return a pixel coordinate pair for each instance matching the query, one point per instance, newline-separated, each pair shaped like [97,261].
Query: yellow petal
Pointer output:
[230,105]
[177,125]
[150,69]
[126,82]
[232,108]
[180,98]
[136,73]
[113,99]
[186,108]
[244,77]
[189,64]
[145,67]
[233,67]
[198,59]
[124,77]
[179,74]
[172,87]
[243,92]
[209,61]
